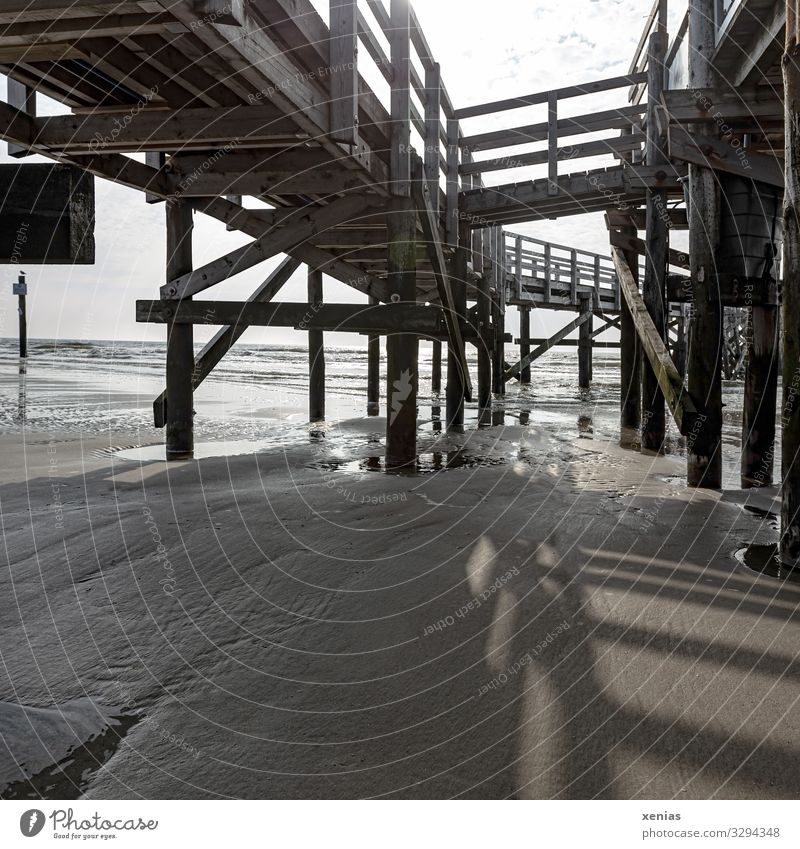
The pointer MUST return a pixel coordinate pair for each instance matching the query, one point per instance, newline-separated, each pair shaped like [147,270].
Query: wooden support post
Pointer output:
[180,339]
[525,343]
[485,347]
[455,377]
[630,362]
[402,349]
[681,340]
[316,353]
[760,398]
[23,98]
[21,288]
[226,337]
[454,412]
[654,418]
[585,344]
[154,159]
[436,367]
[704,373]
[498,274]
[374,372]
[790,457]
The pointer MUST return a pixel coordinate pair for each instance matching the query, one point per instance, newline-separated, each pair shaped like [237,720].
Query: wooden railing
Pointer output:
[555,130]
[556,275]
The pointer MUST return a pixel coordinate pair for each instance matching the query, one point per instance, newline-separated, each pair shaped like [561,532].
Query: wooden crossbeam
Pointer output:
[515,370]
[678,400]
[747,105]
[430,229]
[610,324]
[166,130]
[274,242]
[246,172]
[722,156]
[225,338]
[256,222]
[419,319]
[679,259]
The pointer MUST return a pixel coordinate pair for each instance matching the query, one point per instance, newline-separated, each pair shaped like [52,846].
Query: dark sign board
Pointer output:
[46,215]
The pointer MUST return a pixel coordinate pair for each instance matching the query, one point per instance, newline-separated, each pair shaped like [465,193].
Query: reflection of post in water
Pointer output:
[21,397]
[585,427]
[436,415]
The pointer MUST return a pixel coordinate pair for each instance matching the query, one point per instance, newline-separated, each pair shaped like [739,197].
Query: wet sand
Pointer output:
[532,615]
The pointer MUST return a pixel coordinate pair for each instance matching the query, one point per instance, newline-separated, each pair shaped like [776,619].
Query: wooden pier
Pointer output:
[398,199]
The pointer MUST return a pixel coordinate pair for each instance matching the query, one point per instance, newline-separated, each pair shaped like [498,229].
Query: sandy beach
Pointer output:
[536,613]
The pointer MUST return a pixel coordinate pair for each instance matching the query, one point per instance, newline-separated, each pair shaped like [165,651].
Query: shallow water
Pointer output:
[256,399]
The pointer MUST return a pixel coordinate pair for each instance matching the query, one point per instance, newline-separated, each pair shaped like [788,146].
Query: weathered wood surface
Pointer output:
[417,319]
[681,405]
[656,252]
[704,364]
[47,215]
[179,414]
[721,155]
[344,70]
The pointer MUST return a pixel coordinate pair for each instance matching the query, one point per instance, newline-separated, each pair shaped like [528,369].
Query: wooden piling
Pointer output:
[760,398]
[790,456]
[402,349]
[316,353]
[436,367]
[585,344]
[498,311]
[454,412]
[21,288]
[704,442]
[180,339]
[525,344]
[485,346]
[630,361]
[654,419]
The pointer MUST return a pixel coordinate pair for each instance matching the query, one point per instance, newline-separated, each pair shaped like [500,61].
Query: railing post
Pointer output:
[518,266]
[433,93]
[573,278]
[344,71]
[552,143]
[547,274]
[597,281]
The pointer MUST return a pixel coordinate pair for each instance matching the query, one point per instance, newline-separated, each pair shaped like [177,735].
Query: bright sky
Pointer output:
[487,52]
